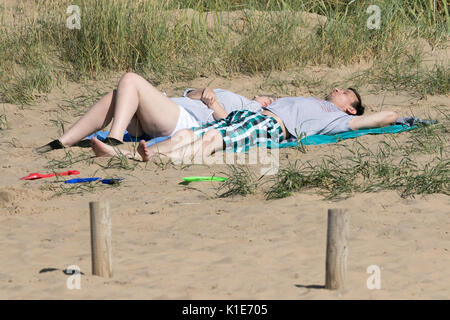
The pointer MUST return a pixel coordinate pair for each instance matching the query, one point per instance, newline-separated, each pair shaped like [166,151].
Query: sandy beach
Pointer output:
[173,241]
[178,241]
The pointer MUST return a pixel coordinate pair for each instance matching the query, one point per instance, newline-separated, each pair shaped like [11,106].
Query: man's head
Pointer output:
[347,100]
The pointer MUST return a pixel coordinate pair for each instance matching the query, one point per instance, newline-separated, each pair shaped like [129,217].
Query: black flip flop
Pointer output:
[55,144]
[83,143]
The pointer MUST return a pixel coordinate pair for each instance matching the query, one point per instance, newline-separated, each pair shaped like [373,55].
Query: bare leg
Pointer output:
[101,149]
[179,139]
[156,114]
[97,118]
[183,150]
[213,141]
[136,106]
[181,147]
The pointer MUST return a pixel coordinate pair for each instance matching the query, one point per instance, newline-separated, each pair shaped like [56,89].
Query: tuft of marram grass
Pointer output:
[4,120]
[418,81]
[241,181]
[68,160]
[390,167]
[120,161]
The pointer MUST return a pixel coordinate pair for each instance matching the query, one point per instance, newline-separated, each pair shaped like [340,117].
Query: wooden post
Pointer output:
[100,218]
[337,249]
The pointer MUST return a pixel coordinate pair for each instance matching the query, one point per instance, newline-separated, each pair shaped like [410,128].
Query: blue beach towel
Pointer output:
[325,139]
[402,124]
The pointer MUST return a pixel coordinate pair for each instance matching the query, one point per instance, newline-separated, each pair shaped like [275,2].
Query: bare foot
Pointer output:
[143,151]
[157,157]
[102,149]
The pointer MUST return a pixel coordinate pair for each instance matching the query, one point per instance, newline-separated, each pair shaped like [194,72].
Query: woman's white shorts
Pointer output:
[185,121]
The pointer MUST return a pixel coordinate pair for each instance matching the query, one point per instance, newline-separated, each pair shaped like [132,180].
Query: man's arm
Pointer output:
[376,120]
[219,111]
[209,98]
[195,94]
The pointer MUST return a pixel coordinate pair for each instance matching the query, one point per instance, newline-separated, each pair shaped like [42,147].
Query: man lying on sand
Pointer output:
[341,111]
[145,112]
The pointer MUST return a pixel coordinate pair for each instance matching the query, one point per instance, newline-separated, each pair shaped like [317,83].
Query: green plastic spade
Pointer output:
[191,179]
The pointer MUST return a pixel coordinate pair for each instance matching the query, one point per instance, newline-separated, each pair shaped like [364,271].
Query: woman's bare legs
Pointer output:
[97,118]
[156,114]
[136,106]
[101,149]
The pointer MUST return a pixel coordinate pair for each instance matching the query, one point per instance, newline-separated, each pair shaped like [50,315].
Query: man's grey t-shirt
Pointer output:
[310,116]
[229,100]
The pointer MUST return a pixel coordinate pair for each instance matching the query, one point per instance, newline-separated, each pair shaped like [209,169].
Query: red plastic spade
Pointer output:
[33,176]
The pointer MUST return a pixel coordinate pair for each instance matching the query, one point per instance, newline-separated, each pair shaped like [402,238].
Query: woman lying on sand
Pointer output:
[145,112]
[341,111]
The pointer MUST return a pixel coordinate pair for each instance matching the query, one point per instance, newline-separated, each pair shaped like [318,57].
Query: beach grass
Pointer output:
[60,188]
[418,81]
[68,160]
[358,168]
[120,161]
[81,102]
[163,41]
[3,120]
[241,180]
[336,181]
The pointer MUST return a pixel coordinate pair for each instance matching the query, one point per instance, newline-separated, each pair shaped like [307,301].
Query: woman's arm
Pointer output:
[376,120]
